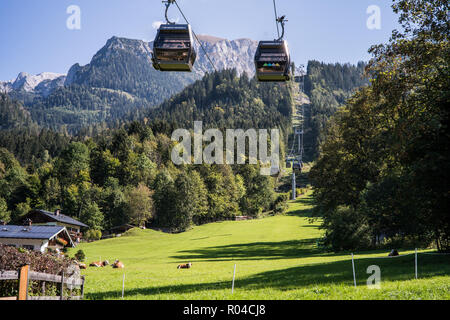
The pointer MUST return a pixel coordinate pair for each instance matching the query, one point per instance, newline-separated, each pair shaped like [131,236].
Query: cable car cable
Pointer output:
[276,17]
[201,45]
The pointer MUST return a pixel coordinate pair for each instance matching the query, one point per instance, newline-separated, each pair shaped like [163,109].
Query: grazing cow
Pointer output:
[118,265]
[82,265]
[393,253]
[97,264]
[185,266]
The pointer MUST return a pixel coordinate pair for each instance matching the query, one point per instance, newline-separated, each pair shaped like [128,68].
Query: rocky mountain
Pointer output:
[226,54]
[42,84]
[120,80]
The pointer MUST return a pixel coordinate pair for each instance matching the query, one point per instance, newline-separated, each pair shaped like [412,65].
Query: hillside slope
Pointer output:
[276,258]
[225,100]
[328,87]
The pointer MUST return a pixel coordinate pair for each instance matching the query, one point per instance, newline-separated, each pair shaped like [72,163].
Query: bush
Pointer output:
[346,230]
[93,234]
[80,256]
[298,193]
[14,258]
[280,205]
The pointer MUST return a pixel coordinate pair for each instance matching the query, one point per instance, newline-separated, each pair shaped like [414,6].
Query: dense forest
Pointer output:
[125,174]
[328,87]
[13,114]
[224,100]
[383,169]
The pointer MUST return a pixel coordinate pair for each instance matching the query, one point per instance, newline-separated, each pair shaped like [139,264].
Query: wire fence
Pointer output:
[243,273]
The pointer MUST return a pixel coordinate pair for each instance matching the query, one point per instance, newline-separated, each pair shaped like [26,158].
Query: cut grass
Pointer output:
[276,257]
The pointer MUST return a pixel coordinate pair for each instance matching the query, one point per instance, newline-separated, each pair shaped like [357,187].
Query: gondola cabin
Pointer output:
[297,166]
[173,48]
[273,61]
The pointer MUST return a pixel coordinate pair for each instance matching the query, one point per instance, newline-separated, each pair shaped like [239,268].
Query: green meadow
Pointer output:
[276,258]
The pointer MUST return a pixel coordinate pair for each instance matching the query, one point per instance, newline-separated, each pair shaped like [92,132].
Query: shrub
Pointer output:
[93,234]
[346,230]
[80,256]
[14,258]
[280,205]
[298,193]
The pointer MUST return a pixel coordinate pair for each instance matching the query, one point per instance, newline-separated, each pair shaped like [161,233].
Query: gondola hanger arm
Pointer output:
[281,20]
[168,3]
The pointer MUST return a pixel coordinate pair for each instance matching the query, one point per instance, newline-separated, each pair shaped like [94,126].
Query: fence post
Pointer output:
[82,287]
[43,288]
[416,263]
[234,275]
[62,286]
[123,285]
[71,287]
[23,282]
[353,267]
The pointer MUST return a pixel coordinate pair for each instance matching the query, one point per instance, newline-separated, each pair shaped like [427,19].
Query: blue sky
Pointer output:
[35,37]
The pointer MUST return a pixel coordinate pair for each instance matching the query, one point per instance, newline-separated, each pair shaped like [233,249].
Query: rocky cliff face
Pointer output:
[224,54]
[42,84]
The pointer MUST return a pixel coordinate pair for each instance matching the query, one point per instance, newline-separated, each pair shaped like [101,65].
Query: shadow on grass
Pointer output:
[219,235]
[291,249]
[339,272]
[303,212]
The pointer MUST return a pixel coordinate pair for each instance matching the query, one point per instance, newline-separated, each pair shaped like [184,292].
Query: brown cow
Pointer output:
[185,266]
[97,264]
[118,265]
[82,265]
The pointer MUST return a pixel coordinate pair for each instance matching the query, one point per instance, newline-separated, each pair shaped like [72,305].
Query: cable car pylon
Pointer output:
[295,156]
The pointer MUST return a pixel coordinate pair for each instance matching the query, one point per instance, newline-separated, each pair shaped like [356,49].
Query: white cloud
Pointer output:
[156,24]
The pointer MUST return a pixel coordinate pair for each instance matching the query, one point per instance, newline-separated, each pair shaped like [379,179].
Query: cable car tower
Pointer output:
[296,152]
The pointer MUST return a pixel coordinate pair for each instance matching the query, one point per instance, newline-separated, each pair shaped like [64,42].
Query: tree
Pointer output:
[140,205]
[92,216]
[5,214]
[384,158]
[189,201]
[113,204]
[72,166]
[164,190]
[21,210]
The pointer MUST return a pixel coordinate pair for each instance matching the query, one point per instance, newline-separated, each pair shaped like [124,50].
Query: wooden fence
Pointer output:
[24,275]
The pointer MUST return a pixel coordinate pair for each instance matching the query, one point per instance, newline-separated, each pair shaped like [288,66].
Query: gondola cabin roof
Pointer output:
[174,28]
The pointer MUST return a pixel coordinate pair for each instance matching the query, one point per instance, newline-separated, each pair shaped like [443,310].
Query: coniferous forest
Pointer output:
[124,174]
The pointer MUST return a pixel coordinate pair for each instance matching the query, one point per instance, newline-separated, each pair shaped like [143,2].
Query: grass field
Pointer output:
[276,258]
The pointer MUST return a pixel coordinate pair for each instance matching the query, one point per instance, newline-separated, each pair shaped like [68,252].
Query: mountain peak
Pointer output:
[211,39]
[116,45]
